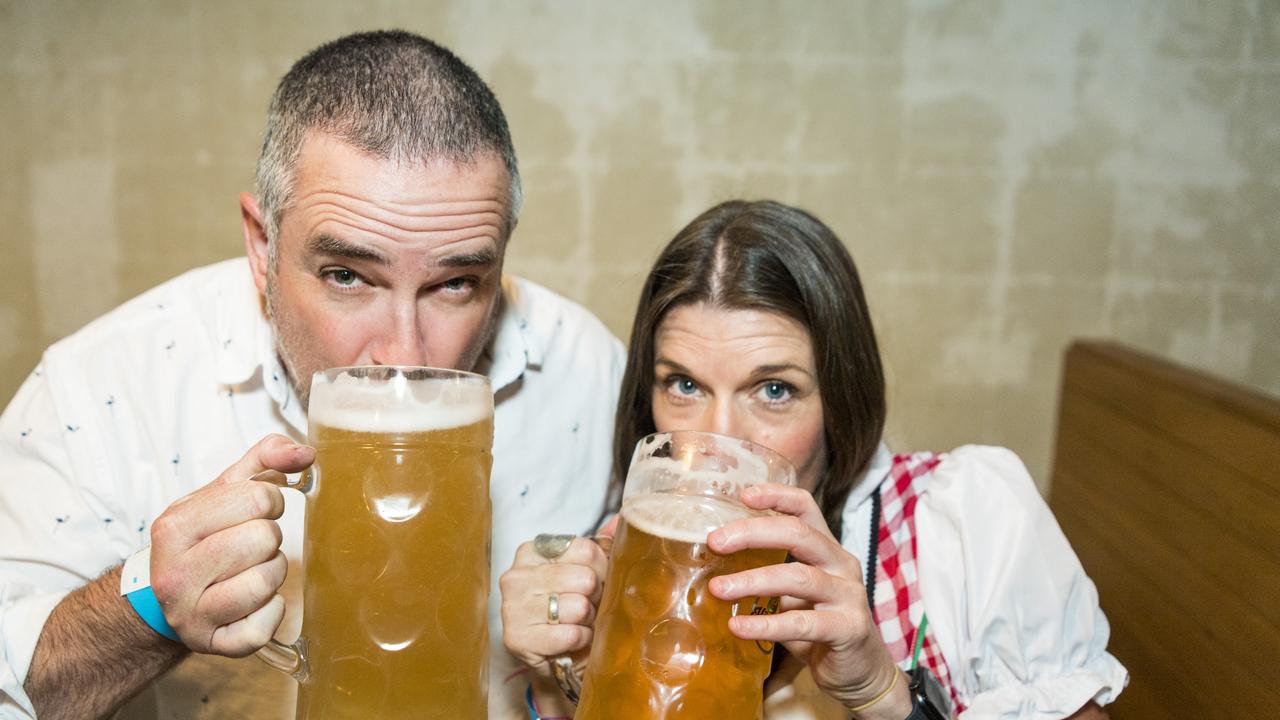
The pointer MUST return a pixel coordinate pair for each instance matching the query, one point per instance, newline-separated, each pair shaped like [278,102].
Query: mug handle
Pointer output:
[565,671]
[289,659]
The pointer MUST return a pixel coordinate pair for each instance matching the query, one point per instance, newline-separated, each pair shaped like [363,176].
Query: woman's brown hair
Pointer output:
[772,257]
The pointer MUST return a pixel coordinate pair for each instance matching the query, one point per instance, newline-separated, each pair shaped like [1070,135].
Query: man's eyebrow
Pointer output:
[329,245]
[480,258]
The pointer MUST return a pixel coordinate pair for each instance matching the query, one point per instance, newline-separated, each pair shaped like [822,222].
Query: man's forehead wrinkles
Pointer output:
[435,217]
[439,238]
[445,206]
[464,247]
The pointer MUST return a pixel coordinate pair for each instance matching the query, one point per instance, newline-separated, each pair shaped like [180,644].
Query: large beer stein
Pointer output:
[662,646]
[396,546]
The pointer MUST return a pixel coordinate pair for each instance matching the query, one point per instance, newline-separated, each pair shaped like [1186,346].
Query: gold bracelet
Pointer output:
[883,694]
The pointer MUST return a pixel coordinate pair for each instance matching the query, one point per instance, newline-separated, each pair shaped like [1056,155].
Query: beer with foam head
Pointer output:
[662,646]
[396,550]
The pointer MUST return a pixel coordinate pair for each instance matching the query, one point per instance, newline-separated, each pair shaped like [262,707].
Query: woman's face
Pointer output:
[745,373]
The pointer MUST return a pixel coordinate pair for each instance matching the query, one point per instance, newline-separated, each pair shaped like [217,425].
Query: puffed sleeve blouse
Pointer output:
[1011,608]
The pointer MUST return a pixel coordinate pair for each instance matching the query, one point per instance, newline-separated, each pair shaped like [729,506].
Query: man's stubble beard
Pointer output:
[287,337]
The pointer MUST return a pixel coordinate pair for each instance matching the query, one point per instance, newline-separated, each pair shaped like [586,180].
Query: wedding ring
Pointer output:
[551,547]
[553,609]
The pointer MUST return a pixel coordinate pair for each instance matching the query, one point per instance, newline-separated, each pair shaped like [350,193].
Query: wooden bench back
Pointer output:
[1167,483]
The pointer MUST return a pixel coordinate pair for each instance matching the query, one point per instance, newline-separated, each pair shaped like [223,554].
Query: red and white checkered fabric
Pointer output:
[899,607]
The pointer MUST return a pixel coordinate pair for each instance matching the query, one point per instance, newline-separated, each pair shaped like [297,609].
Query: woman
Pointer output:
[753,324]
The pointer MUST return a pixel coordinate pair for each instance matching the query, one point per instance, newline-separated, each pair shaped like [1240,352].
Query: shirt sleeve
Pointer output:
[1016,617]
[51,541]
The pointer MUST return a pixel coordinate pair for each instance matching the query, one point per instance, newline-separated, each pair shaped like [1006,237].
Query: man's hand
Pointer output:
[215,567]
[216,564]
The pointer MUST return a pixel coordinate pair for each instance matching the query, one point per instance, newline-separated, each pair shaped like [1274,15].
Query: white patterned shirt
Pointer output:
[156,398]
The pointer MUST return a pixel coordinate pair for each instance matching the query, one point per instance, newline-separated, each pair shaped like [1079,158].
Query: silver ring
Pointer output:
[551,547]
[553,609]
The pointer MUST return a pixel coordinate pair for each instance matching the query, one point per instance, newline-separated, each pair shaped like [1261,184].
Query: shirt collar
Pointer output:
[247,348]
[876,472]
[514,347]
[242,329]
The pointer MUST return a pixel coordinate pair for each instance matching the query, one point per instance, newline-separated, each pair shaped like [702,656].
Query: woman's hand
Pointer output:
[576,579]
[824,619]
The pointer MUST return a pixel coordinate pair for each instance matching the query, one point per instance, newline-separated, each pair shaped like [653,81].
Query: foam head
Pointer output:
[686,518]
[393,400]
[697,463]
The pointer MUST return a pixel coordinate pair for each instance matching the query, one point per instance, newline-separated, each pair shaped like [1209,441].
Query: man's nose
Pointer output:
[401,343]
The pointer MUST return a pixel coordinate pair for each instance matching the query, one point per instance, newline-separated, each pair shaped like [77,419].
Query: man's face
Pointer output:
[382,263]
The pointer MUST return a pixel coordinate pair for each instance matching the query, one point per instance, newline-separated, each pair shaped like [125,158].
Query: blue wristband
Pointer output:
[135,586]
[144,603]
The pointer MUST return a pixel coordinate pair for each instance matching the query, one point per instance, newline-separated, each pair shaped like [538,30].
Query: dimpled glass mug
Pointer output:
[662,646]
[396,546]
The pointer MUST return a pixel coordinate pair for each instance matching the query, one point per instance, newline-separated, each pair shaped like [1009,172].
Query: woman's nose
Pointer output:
[723,418]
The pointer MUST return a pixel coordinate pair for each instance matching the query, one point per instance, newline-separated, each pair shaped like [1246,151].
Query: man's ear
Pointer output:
[255,240]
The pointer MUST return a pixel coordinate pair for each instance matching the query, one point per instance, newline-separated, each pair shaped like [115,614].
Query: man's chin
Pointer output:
[303,393]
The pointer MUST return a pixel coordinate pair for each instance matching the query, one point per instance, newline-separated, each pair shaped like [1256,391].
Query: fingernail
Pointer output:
[717,537]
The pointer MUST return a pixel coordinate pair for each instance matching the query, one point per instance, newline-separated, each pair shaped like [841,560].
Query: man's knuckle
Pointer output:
[261,498]
[255,536]
[258,635]
[165,586]
[164,529]
[276,535]
[262,585]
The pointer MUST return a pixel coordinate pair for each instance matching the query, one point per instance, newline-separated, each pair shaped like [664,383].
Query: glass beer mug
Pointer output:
[396,546]
[662,646]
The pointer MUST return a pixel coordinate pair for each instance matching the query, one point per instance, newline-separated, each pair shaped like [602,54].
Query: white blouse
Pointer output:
[1009,605]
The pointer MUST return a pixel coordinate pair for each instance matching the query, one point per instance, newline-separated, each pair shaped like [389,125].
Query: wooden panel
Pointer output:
[1190,476]
[1209,646]
[1167,483]
[1233,601]
[1215,546]
[1225,422]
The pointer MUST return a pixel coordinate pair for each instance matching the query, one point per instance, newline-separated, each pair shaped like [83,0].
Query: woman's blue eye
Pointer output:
[775,391]
[680,385]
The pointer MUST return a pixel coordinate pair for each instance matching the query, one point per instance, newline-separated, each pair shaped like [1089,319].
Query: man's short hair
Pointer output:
[393,95]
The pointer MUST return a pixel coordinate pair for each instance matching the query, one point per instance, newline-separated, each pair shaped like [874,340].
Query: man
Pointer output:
[387,190]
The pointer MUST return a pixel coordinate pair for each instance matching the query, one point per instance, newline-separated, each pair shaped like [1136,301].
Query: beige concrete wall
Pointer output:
[1008,175]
